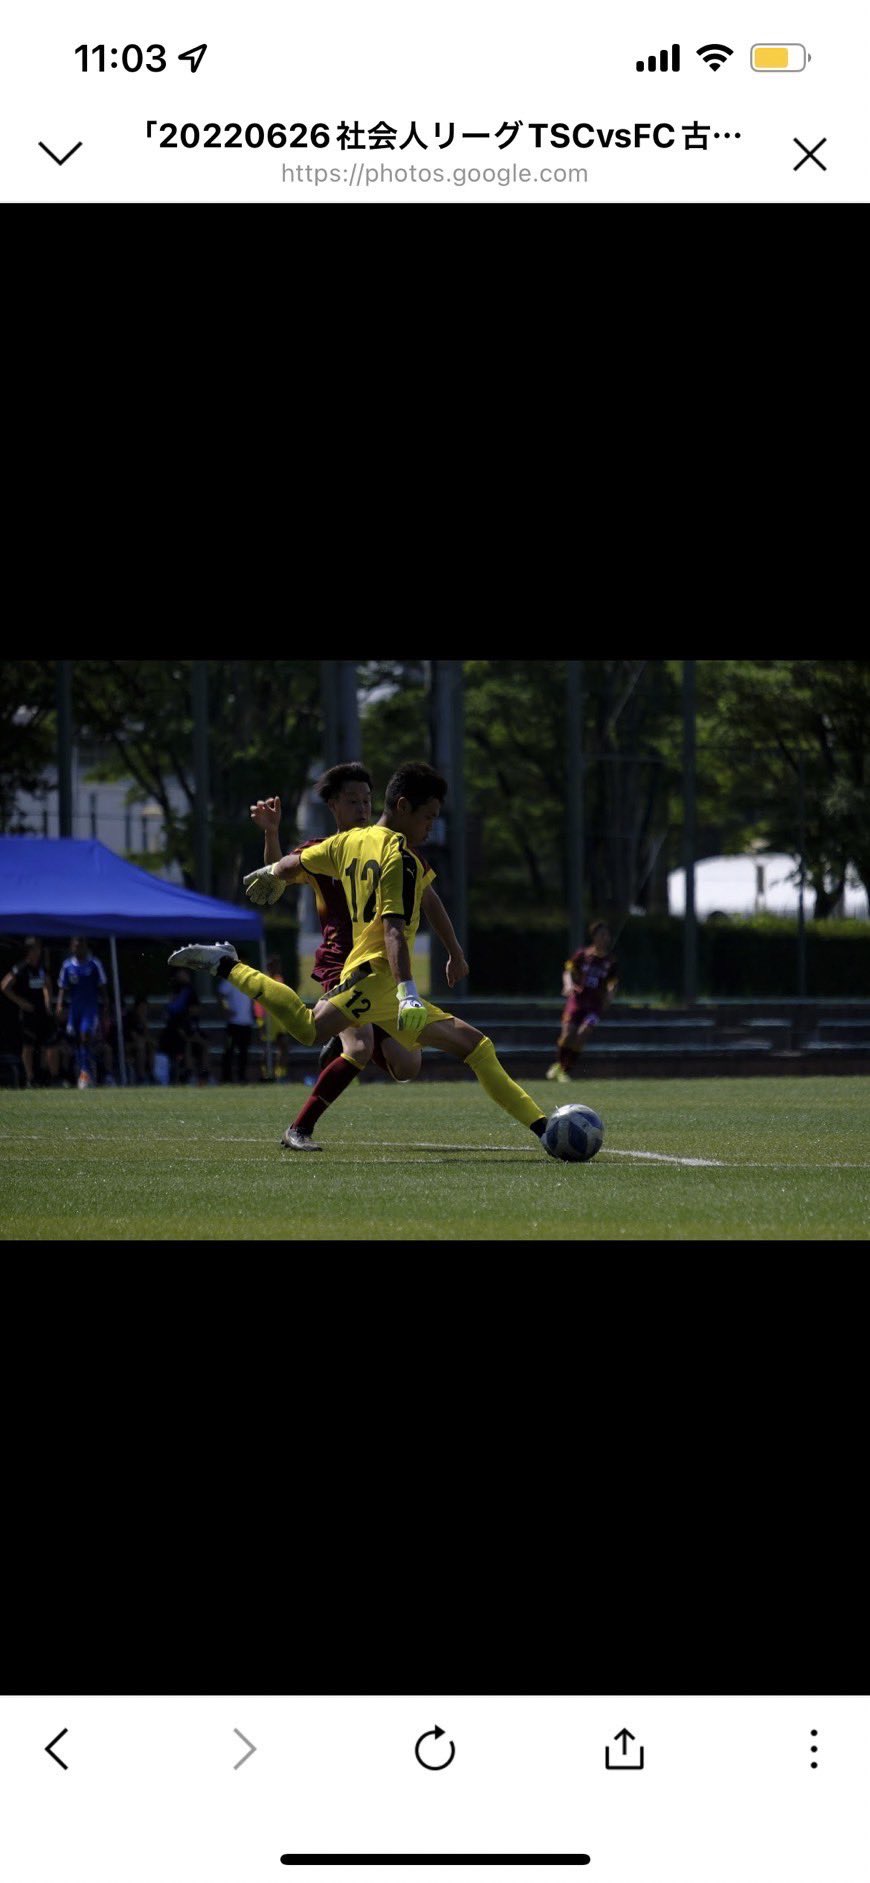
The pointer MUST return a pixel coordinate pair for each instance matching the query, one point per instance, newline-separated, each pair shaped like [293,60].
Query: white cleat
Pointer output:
[203,955]
[298,1141]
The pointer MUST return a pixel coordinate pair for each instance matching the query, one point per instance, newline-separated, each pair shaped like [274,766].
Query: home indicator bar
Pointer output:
[435,1857]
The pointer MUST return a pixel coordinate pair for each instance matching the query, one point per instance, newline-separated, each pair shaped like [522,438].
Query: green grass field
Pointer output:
[439,1162]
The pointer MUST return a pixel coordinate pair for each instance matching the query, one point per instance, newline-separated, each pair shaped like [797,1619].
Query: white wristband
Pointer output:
[407,990]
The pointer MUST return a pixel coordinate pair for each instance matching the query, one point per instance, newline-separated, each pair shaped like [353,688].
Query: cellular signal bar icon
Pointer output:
[664,58]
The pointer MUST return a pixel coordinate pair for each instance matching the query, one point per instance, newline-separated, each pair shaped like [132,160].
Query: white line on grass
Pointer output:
[660,1157]
[371,1144]
[664,1157]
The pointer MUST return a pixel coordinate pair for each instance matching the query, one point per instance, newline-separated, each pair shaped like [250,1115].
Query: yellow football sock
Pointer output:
[510,1096]
[278,999]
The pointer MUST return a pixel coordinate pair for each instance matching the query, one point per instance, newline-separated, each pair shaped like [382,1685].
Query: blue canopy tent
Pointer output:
[75,886]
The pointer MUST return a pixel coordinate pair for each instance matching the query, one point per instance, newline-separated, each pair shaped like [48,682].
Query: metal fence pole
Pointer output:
[64,748]
[330,709]
[201,804]
[456,802]
[119,1018]
[690,926]
[576,785]
[801,925]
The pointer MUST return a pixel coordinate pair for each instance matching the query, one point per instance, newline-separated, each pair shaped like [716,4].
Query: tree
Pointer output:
[264,734]
[27,733]
[769,721]
[516,773]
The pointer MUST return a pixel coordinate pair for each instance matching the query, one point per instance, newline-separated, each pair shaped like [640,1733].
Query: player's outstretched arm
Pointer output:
[265,886]
[266,814]
[441,925]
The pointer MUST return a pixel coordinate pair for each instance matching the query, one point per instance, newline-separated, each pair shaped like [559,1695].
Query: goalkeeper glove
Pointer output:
[412,1010]
[263,887]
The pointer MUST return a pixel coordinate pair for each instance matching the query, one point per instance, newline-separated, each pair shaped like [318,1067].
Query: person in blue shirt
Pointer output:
[83,982]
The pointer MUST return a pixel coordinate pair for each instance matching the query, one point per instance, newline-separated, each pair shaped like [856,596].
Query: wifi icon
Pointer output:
[714,56]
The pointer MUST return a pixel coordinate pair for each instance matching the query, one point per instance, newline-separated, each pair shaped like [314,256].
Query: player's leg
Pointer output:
[221,960]
[401,1062]
[570,1048]
[27,1058]
[565,1045]
[86,1033]
[585,1027]
[355,1053]
[479,1055]
[297,1019]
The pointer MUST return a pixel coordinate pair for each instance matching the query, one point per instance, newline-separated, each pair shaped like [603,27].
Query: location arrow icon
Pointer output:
[195,55]
[50,153]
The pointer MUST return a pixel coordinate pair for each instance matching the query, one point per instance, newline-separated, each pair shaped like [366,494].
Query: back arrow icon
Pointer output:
[70,153]
[53,1742]
[436,1732]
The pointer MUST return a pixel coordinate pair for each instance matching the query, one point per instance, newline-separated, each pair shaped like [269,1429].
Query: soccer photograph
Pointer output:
[438,950]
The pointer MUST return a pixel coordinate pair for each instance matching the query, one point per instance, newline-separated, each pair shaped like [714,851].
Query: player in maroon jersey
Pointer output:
[347,789]
[590,982]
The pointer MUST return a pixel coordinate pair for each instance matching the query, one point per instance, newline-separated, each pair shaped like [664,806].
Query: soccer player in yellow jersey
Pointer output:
[347,792]
[383,879]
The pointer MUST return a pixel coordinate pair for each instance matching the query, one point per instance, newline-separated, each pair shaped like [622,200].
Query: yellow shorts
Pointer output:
[368,998]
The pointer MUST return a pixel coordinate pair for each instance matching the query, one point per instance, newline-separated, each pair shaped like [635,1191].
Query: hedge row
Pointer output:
[749,958]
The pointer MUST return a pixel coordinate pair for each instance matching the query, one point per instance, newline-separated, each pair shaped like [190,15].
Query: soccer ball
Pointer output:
[574,1133]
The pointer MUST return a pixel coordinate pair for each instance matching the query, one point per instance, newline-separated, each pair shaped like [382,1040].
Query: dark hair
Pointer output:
[31,941]
[595,927]
[417,782]
[338,776]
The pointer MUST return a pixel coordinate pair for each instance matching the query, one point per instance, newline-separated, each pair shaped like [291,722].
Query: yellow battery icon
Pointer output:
[778,58]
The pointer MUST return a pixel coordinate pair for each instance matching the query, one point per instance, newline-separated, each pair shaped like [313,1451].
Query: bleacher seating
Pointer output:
[732,1036]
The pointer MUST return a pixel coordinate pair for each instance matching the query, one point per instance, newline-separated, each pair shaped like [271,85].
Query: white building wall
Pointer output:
[101,811]
[751,885]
